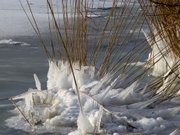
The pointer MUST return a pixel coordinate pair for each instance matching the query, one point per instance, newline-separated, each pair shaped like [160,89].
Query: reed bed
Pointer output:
[113,40]
[73,40]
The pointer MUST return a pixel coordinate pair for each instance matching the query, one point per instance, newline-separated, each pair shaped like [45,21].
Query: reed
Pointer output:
[114,39]
[164,22]
[118,28]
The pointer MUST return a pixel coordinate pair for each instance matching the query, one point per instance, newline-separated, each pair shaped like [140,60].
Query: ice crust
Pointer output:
[109,110]
[11,42]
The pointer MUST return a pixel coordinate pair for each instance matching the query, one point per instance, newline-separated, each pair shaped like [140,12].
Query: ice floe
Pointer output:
[12,42]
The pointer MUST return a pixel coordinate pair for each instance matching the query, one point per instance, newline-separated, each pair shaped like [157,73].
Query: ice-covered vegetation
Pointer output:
[96,82]
[105,109]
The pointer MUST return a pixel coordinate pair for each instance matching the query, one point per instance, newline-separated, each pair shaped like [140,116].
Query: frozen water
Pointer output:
[37,82]
[11,11]
[11,42]
[57,106]
[113,109]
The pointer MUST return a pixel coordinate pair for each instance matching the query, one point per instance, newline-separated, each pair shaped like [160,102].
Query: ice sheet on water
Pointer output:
[12,42]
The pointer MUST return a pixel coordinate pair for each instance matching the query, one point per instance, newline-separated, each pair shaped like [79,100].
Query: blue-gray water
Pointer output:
[17,65]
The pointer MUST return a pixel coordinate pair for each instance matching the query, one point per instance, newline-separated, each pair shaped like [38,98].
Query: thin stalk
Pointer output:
[68,57]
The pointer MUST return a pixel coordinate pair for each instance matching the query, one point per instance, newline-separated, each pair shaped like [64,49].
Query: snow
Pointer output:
[148,124]
[175,132]
[107,110]
[84,125]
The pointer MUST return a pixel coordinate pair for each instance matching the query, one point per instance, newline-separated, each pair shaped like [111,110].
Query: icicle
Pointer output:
[37,82]
[52,74]
[147,37]
[29,101]
[127,95]
[98,120]
[84,125]
[143,104]
[95,90]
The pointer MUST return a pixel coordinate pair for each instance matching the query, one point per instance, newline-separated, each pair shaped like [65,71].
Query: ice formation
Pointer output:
[105,109]
[11,42]
[165,62]
[161,57]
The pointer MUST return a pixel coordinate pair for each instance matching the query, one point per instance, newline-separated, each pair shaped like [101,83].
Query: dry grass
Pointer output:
[164,15]
[103,41]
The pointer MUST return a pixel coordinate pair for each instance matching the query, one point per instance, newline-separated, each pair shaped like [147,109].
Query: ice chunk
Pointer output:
[143,104]
[37,82]
[51,75]
[148,123]
[84,125]
[127,95]
[11,42]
